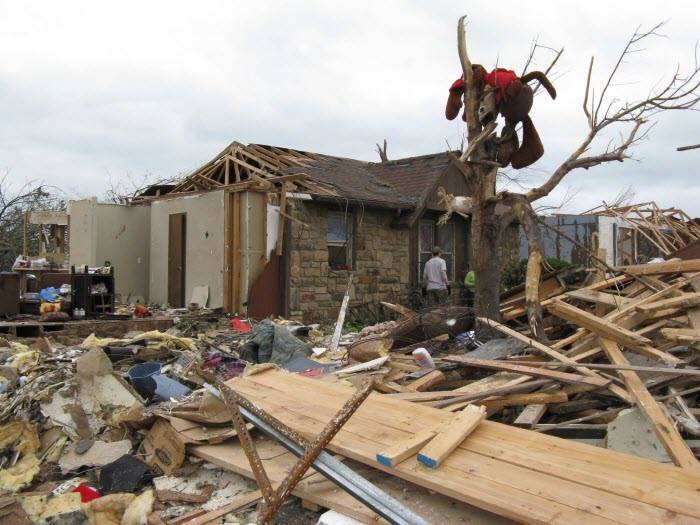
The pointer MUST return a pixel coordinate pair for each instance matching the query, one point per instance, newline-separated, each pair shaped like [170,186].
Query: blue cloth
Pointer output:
[49,295]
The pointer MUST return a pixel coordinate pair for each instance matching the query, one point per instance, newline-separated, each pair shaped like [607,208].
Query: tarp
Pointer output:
[273,343]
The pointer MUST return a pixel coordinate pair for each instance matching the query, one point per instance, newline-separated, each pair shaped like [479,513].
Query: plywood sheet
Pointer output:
[516,473]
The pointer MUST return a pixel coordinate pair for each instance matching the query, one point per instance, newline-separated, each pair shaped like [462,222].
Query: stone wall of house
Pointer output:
[381,262]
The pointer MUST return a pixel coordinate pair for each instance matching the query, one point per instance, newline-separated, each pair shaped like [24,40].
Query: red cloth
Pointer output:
[500,78]
[240,326]
[86,492]
[458,85]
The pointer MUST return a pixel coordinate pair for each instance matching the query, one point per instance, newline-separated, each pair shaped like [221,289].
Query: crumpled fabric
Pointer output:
[273,343]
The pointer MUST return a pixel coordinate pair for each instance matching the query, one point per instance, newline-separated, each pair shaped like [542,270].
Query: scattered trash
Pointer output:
[126,474]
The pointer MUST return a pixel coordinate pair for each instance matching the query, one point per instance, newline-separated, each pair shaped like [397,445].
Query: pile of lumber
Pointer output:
[626,341]
[484,425]
[519,474]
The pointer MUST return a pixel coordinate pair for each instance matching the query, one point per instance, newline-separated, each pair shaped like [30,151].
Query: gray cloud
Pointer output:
[88,90]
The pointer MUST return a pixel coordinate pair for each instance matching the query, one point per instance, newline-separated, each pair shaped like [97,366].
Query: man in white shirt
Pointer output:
[435,279]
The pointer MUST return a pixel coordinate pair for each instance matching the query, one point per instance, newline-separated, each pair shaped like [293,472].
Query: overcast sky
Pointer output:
[97,91]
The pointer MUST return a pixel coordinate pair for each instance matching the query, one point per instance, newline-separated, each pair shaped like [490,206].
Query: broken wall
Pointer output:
[380,261]
[116,233]
[204,245]
[582,228]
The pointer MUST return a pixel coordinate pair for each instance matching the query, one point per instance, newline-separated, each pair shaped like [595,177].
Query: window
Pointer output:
[431,234]
[339,240]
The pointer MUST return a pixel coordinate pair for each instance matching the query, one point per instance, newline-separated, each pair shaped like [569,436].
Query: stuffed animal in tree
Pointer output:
[502,92]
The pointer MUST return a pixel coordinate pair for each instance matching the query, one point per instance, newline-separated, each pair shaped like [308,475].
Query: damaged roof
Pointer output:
[401,183]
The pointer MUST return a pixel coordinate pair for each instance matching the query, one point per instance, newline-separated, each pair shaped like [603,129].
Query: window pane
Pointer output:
[338,257]
[423,258]
[425,241]
[445,237]
[337,227]
[449,262]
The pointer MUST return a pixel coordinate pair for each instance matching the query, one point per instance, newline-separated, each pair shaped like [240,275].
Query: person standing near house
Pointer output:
[435,279]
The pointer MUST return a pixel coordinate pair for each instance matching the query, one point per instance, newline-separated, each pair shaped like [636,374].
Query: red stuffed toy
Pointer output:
[502,91]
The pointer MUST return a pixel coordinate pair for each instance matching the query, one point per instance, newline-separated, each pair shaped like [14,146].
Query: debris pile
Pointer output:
[204,421]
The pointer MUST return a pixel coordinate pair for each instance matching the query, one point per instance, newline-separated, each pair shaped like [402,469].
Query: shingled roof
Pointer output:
[401,183]
[414,176]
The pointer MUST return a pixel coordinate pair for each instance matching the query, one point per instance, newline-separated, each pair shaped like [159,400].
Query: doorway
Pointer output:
[177,241]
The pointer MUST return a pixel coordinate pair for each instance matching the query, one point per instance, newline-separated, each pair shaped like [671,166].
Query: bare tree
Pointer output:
[124,189]
[382,152]
[602,112]
[14,204]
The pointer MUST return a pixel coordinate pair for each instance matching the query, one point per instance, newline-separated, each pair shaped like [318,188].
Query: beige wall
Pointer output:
[102,232]
[204,261]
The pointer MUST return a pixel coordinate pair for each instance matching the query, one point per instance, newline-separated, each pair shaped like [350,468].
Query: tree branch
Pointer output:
[471,102]
[678,94]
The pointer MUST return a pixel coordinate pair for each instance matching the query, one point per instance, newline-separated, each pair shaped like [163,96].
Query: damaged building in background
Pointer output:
[622,235]
[275,231]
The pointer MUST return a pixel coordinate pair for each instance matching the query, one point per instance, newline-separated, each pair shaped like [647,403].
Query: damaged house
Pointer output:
[276,231]
[620,235]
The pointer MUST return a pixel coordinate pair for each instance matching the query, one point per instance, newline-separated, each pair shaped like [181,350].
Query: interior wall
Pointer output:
[204,262]
[83,229]
[116,233]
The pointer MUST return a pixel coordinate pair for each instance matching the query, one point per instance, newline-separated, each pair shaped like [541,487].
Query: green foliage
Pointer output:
[354,325]
[514,274]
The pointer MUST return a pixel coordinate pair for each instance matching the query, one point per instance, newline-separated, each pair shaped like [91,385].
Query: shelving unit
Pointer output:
[94,304]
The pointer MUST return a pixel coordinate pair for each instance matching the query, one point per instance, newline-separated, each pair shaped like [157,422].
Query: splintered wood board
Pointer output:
[523,475]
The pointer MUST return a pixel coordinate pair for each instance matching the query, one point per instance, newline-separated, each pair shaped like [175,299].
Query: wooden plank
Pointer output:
[530,371]
[341,317]
[664,428]
[235,248]
[687,300]
[597,325]
[437,395]
[525,476]
[406,312]
[406,448]
[228,252]
[530,415]
[604,366]
[200,517]
[617,333]
[280,224]
[515,400]
[445,442]
[628,317]
[681,335]
[536,345]
[428,380]
[692,265]
[593,296]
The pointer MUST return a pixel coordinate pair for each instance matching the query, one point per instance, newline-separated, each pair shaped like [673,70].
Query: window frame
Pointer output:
[433,236]
[348,244]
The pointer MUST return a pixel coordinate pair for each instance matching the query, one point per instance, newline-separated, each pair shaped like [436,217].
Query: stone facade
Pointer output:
[380,262]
